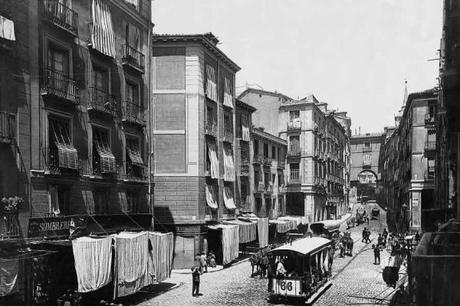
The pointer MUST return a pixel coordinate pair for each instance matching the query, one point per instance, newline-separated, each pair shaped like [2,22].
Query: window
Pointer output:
[132,200]
[265,149]
[256,147]
[103,159]
[267,179]
[279,155]
[294,172]
[273,178]
[62,153]
[101,203]
[294,143]
[211,87]
[132,93]
[228,93]
[367,144]
[100,79]
[132,37]
[294,115]
[431,167]
[59,196]
[256,178]
[134,162]
[273,152]
[58,60]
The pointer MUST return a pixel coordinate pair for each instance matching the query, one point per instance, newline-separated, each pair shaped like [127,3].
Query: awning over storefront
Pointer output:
[247,230]
[296,219]
[284,226]
[228,198]
[161,255]
[211,199]
[230,241]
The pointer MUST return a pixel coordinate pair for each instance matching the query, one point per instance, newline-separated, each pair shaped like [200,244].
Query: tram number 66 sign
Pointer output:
[287,287]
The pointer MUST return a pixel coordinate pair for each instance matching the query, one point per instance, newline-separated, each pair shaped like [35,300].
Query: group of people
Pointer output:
[366,235]
[202,261]
[260,262]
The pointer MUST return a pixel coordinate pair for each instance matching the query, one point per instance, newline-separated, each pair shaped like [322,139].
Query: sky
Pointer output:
[353,54]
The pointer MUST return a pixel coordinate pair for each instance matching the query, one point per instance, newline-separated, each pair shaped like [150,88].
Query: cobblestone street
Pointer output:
[353,277]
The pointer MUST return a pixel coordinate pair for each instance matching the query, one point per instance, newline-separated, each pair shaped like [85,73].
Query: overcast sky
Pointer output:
[352,54]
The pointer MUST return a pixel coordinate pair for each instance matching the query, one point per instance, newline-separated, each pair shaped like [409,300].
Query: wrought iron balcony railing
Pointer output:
[244,170]
[294,151]
[133,112]
[61,15]
[294,126]
[210,128]
[133,57]
[9,226]
[102,101]
[258,159]
[7,127]
[57,84]
[430,120]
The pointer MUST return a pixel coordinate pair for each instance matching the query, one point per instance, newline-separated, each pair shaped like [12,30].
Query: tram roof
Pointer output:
[304,246]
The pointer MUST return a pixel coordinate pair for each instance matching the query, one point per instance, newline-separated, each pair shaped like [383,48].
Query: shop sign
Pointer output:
[55,227]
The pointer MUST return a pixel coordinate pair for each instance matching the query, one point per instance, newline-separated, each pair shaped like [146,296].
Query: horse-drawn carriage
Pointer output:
[360,215]
[375,213]
[328,229]
[347,245]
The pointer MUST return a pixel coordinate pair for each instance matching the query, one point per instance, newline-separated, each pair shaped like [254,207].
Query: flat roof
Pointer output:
[304,246]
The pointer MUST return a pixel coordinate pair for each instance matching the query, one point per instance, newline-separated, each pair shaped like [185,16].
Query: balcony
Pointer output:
[133,58]
[9,226]
[430,120]
[267,161]
[228,136]
[61,15]
[210,128]
[59,85]
[430,145]
[294,151]
[367,149]
[244,170]
[7,127]
[429,174]
[258,159]
[294,126]
[294,176]
[102,101]
[281,164]
[260,187]
[133,112]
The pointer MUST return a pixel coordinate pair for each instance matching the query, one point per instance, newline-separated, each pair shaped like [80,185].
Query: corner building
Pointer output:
[194,138]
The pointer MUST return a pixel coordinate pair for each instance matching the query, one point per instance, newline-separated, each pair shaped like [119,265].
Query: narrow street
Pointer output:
[352,276]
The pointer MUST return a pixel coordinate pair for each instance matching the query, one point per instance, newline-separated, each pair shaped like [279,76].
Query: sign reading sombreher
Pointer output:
[53,227]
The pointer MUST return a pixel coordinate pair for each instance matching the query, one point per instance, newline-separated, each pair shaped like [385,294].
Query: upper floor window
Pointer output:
[103,158]
[273,152]
[132,93]
[256,147]
[58,60]
[228,93]
[62,153]
[294,115]
[132,36]
[265,149]
[133,3]
[134,162]
[101,79]
[211,85]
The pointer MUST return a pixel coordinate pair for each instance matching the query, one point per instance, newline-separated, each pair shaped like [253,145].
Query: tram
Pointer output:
[329,229]
[303,268]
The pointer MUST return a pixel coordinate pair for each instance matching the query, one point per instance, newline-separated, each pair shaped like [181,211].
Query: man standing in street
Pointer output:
[203,263]
[196,281]
[376,255]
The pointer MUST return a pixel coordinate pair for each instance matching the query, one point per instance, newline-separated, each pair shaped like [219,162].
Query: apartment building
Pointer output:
[80,96]
[268,174]
[194,138]
[317,161]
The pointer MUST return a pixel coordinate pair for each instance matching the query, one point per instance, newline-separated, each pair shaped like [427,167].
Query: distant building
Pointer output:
[365,152]
[268,173]
[316,157]
[194,138]
[389,177]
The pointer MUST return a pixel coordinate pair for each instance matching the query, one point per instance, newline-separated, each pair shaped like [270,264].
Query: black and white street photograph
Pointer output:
[229,152]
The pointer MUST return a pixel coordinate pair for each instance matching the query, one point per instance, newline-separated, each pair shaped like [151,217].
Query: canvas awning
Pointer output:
[229,168]
[212,153]
[102,36]
[247,230]
[135,156]
[67,156]
[211,197]
[228,198]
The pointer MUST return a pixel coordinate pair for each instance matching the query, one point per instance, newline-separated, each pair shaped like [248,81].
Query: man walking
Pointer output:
[196,281]
[203,263]
[376,255]
[368,235]
[364,235]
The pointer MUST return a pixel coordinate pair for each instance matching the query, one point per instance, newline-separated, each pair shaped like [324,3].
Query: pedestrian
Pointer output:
[385,233]
[280,269]
[376,255]
[364,235]
[196,281]
[341,248]
[212,259]
[270,274]
[368,235]
[253,261]
[380,240]
[263,266]
[203,263]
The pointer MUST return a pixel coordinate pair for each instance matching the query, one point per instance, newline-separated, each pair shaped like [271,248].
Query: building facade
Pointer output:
[268,173]
[409,166]
[194,138]
[365,175]
[316,156]
[77,113]
[447,123]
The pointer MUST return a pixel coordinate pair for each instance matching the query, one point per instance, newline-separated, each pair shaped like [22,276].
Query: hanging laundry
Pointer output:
[262,232]
[131,263]
[93,262]
[8,276]
[160,256]
[230,243]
